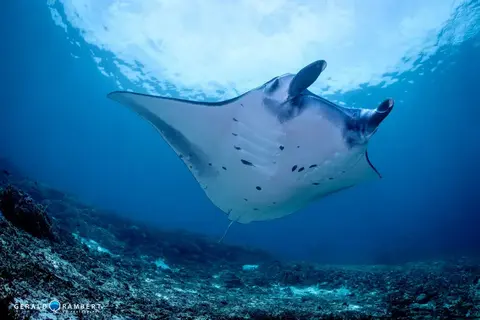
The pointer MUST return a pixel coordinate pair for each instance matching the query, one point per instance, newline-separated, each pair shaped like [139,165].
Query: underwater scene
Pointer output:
[207,159]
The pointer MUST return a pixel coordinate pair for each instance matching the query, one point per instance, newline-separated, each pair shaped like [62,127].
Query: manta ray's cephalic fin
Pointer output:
[306,77]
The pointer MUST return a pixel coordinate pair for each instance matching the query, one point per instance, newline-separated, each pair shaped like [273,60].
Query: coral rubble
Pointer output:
[134,271]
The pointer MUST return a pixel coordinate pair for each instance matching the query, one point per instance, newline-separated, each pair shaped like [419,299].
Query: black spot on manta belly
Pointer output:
[210,164]
[247,163]
[224,168]
[256,209]
[316,183]
[245,199]
[282,147]
[237,148]
[294,168]
[301,169]
[313,166]
[258,188]
[234,134]
[234,119]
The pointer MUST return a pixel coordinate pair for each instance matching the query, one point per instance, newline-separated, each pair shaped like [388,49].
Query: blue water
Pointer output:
[57,125]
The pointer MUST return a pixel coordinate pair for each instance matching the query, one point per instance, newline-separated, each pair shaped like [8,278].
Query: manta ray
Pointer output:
[270,151]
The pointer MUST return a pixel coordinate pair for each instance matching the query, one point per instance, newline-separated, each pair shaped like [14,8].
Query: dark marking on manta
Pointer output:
[294,168]
[237,148]
[282,147]
[234,119]
[247,163]
[274,202]
[330,178]
[180,156]
[313,166]
[301,169]
[258,188]
[256,209]
[316,183]
[298,146]
[234,134]
[224,168]
[210,164]
[245,199]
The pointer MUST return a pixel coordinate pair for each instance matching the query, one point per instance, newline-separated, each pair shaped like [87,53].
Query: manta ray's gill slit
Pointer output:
[261,156]
[294,168]
[256,134]
[313,166]
[301,169]
[247,163]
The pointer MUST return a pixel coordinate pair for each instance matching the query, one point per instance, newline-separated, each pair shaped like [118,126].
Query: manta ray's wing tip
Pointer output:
[114,94]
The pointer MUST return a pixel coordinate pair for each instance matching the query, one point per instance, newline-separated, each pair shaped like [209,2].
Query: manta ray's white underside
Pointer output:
[251,165]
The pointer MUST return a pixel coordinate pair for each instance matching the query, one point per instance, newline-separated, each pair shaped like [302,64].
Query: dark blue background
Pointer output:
[57,125]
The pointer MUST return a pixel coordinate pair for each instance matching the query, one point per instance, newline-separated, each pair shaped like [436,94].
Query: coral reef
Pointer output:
[136,271]
[23,212]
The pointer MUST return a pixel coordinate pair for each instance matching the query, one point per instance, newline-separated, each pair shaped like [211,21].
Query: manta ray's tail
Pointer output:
[225,233]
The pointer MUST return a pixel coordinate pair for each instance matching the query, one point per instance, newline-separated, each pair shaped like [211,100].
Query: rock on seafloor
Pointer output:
[61,259]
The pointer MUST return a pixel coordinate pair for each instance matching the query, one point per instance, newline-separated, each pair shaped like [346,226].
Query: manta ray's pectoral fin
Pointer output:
[306,77]
[193,129]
